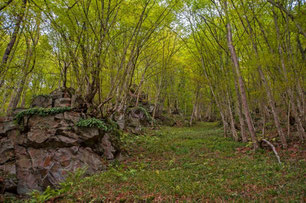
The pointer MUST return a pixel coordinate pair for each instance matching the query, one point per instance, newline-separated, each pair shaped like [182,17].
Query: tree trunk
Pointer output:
[273,109]
[13,38]
[301,129]
[241,118]
[268,90]
[225,125]
[241,87]
[24,96]
[234,132]
[193,115]
[16,96]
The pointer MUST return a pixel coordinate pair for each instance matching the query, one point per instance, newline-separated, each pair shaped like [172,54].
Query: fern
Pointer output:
[93,122]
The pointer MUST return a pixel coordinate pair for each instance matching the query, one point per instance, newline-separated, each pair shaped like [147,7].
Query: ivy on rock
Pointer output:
[94,123]
[40,112]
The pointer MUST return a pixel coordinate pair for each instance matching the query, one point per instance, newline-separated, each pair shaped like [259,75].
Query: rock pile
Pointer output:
[139,114]
[136,116]
[43,148]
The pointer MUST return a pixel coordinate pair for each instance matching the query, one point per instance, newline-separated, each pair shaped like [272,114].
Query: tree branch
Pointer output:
[274,150]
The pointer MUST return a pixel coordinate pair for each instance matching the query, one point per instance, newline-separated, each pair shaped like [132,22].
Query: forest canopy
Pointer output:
[241,62]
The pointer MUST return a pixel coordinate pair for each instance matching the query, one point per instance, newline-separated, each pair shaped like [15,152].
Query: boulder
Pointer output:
[77,102]
[6,150]
[62,93]
[45,149]
[62,102]
[40,168]
[136,119]
[43,101]
[62,97]
[120,120]
[8,180]
[72,116]
[48,148]
[108,148]
[8,177]
[6,125]
[121,123]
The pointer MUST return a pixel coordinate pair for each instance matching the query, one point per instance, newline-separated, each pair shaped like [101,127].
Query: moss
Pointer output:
[40,112]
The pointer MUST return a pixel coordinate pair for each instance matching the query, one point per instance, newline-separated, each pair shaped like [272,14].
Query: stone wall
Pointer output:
[41,150]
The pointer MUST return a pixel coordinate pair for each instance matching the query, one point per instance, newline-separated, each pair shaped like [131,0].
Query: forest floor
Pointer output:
[195,164]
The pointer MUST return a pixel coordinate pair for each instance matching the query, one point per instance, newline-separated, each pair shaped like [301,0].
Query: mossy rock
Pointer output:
[41,112]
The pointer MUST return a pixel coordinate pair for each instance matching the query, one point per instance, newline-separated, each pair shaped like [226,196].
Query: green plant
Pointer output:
[64,187]
[93,122]
[40,112]
[196,163]
[46,195]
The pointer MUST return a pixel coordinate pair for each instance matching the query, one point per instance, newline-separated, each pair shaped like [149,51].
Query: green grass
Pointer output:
[191,165]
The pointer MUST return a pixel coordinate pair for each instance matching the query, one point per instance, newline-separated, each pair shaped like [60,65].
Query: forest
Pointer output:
[167,78]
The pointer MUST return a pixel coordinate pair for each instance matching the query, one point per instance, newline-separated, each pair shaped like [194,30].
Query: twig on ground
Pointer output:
[274,150]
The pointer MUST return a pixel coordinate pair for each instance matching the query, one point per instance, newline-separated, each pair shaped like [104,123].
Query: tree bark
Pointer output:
[240,114]
[300,127]
[273,109]
[268,90]
[195,105]
[232,121]
[10,45]
[241,87]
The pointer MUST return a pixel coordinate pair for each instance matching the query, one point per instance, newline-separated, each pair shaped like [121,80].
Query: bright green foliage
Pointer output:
[93,123]
[70,182]
[192,164]
[40,112]
[176,52]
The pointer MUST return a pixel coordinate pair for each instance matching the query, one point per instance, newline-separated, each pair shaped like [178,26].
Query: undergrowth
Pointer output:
[64,187]
[193,164]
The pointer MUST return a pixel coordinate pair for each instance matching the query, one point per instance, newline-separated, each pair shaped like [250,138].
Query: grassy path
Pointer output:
[194,165]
